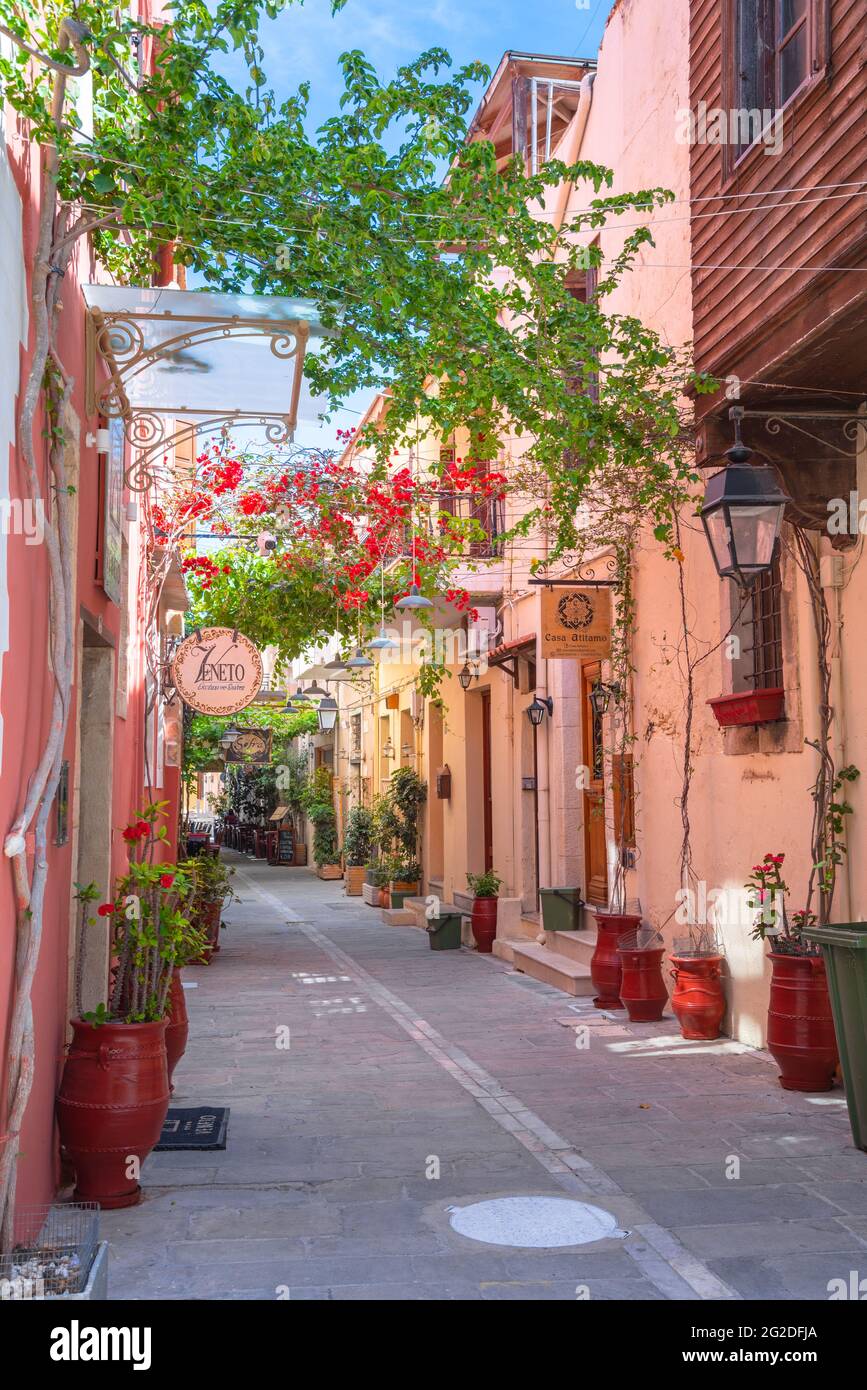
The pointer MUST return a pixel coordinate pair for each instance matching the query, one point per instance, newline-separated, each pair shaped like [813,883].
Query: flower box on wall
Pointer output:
[748,707]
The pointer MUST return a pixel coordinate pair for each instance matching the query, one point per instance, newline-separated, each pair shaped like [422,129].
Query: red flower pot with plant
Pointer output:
[114,1092]
[484,888]
[801,1036]
[177,1025]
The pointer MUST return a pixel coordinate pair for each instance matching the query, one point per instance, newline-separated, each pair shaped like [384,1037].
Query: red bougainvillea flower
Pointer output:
[105,909]
[166,880]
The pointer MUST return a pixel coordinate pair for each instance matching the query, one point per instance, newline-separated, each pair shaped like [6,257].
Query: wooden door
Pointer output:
[595,849]
[487,801]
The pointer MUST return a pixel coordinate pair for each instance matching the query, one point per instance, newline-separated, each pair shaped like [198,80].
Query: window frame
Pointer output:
[818,24]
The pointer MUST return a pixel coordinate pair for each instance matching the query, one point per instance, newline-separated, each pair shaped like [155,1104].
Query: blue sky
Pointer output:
[304,42]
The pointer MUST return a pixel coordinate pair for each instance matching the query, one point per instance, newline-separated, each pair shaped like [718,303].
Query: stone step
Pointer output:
[418,907]
[575,945]
[552,968]
[398,917]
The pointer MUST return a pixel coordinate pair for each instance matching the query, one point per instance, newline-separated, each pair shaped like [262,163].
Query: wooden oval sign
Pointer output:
[217,671]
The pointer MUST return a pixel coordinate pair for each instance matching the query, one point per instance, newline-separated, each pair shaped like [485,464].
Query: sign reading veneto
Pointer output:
[576,623]
[217,671]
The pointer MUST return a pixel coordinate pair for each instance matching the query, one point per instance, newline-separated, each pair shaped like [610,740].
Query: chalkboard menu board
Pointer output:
[285,845]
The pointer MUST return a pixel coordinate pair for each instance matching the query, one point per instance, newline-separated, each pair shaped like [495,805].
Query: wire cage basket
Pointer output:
[54,1251]
[641,939]
[701,941]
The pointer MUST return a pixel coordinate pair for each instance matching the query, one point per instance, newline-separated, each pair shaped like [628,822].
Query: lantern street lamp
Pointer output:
[467,674]
[742,514]
[601,695]
[536,712]
[229,737]
[327,713]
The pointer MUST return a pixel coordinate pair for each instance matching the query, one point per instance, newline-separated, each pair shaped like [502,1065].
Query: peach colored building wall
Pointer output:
[750,788]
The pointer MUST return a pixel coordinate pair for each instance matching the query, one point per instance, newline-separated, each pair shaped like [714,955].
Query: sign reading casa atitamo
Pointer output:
[217,671]
[576,623]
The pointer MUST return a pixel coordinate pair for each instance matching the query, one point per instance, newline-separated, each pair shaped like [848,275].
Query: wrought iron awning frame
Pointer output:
[115,338]
[849,420]
[607,563]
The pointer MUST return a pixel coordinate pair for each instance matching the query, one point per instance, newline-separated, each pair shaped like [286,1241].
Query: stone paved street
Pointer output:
[401,1057]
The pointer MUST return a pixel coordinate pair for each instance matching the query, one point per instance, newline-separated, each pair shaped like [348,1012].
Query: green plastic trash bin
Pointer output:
[844,948]
[562,909]
[444,933]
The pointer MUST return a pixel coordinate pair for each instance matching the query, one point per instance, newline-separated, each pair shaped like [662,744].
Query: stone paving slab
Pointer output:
[404,1064]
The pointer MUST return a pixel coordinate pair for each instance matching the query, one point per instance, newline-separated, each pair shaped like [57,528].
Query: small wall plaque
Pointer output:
[528,784]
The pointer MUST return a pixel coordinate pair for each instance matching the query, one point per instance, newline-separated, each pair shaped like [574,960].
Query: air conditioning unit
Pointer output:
[483,635]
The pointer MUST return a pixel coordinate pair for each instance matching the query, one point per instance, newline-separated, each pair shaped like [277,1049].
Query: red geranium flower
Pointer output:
[166,880]
[105,909]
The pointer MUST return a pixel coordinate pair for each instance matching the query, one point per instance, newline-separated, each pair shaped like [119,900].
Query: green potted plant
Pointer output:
[484,888]
[326,853]
[381,877]
[114,1092]
[404,879]
[212,889]
[801,1036]
[357,846]
[399,818]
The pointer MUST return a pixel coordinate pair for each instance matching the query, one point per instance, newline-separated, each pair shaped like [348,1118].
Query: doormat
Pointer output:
[199,1127]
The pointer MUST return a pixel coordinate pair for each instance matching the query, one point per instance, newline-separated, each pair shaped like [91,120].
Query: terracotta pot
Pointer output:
[112,1104]
[642,988]
[484,923]
[747,707]
[177,1025]
[384,897]
[698,1001]
[605,968]
[208,914]
[800,1023]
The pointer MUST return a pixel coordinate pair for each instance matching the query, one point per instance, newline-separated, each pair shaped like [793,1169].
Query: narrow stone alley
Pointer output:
[375,1086]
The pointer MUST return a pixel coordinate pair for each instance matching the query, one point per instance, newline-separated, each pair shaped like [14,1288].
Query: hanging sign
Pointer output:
[217,671]
[251,746]
[576,623]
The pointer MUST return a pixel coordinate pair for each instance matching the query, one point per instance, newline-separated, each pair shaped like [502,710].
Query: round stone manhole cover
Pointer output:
[533,1222]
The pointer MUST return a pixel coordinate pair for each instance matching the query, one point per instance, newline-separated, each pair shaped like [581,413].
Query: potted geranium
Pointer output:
[801,1036]
[357,846]
[114,1092]
[484,888]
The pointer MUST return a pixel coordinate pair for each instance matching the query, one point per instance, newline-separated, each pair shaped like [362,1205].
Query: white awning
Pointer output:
[188,351]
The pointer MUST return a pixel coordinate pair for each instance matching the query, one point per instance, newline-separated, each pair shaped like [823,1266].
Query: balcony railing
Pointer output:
[488,513]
